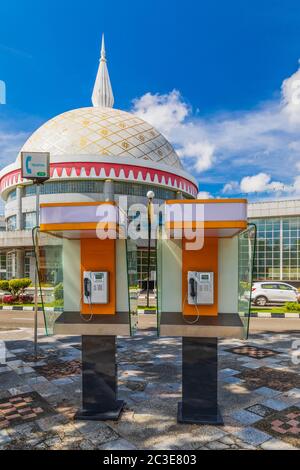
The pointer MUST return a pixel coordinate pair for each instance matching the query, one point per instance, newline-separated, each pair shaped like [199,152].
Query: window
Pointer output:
[2,266]
[11,223]
[29,264]
[11,265]
[29,220]
[142,266]
[12,195]
[269,286]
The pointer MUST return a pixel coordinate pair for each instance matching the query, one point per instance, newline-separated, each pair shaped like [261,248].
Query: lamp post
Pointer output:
[150,196]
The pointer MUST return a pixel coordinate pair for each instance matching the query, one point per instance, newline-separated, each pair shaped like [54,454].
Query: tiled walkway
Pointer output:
[259,396]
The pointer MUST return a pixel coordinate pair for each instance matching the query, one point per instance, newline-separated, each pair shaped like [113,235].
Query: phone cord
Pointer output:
[184,318]
[91,312]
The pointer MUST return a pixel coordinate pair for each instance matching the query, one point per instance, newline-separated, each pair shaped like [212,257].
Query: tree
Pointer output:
[15,287]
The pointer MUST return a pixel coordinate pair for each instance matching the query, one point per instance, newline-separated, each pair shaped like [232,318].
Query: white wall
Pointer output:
[228,275]
[71,275]
[121,277]
[171,276]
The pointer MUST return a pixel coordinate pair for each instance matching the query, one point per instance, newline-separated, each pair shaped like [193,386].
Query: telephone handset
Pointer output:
[87,287]
[193,287]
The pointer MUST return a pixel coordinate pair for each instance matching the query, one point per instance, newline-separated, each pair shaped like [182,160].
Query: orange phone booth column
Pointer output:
[198,260]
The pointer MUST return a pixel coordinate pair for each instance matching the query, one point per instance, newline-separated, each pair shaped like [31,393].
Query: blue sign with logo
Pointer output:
[35,165]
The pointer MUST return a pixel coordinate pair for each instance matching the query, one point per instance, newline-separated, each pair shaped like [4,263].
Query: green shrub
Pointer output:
[4,285]
[292,307]
[59,291]
[17,286]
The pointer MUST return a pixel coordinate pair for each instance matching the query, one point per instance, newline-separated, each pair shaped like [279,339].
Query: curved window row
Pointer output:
[90,186]
[137,189]
[61,187]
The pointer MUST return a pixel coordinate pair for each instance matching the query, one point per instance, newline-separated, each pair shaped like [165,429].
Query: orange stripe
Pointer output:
[62,204]
[206,201]
[78,226]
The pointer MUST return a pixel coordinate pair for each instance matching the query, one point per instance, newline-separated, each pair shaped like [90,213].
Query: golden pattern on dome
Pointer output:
[125,145]
[102,131]
[83,142]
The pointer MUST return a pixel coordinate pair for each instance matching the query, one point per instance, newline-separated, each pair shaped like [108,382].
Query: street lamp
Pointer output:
[150,196]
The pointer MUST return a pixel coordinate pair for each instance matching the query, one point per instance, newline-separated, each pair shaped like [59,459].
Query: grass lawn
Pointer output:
[272,310]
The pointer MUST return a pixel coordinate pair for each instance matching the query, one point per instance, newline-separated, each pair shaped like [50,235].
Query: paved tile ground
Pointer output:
[259,395]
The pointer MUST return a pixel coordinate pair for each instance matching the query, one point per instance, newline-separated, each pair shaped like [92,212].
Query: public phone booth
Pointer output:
[204,252]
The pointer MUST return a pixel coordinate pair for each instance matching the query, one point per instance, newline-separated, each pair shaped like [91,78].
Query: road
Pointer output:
[20,319]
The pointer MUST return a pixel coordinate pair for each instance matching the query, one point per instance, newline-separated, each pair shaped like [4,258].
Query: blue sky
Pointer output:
[219,79]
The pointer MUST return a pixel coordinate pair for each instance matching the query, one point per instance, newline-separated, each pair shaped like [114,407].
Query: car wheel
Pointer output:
[261,301]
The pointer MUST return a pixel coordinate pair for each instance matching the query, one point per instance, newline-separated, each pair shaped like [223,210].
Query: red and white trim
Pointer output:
[103,170]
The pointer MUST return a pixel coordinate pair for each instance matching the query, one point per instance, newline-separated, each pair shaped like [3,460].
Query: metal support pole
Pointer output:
[149,248]
[36,277]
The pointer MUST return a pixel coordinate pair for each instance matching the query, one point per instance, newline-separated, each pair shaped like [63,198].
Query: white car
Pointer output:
[264,293]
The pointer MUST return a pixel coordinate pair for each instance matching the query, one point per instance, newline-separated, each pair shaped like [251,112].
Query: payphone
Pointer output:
[95,287]
[200,288]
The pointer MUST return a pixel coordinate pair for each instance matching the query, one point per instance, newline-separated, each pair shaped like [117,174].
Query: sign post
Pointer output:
[35,166]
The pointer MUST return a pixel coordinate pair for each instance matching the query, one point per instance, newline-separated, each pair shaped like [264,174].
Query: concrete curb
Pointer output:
[252,315]
[29,309]
[273,315]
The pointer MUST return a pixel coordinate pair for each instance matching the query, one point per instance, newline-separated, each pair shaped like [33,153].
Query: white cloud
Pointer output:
[262,183]
[170,114]
[202,152]
[204,195]
[263,143]
[166,111]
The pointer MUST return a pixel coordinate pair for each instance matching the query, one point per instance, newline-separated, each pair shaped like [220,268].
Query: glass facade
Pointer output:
[278,249]
[51,272]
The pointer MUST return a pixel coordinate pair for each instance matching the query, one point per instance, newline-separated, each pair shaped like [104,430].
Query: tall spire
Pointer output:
[102,94]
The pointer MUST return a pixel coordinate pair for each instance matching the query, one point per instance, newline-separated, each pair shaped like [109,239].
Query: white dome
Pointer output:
[104,132]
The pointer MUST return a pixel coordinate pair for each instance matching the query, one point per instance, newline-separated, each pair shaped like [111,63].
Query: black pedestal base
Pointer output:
[99,379]
[199,382]
[108,415]
[193,417]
